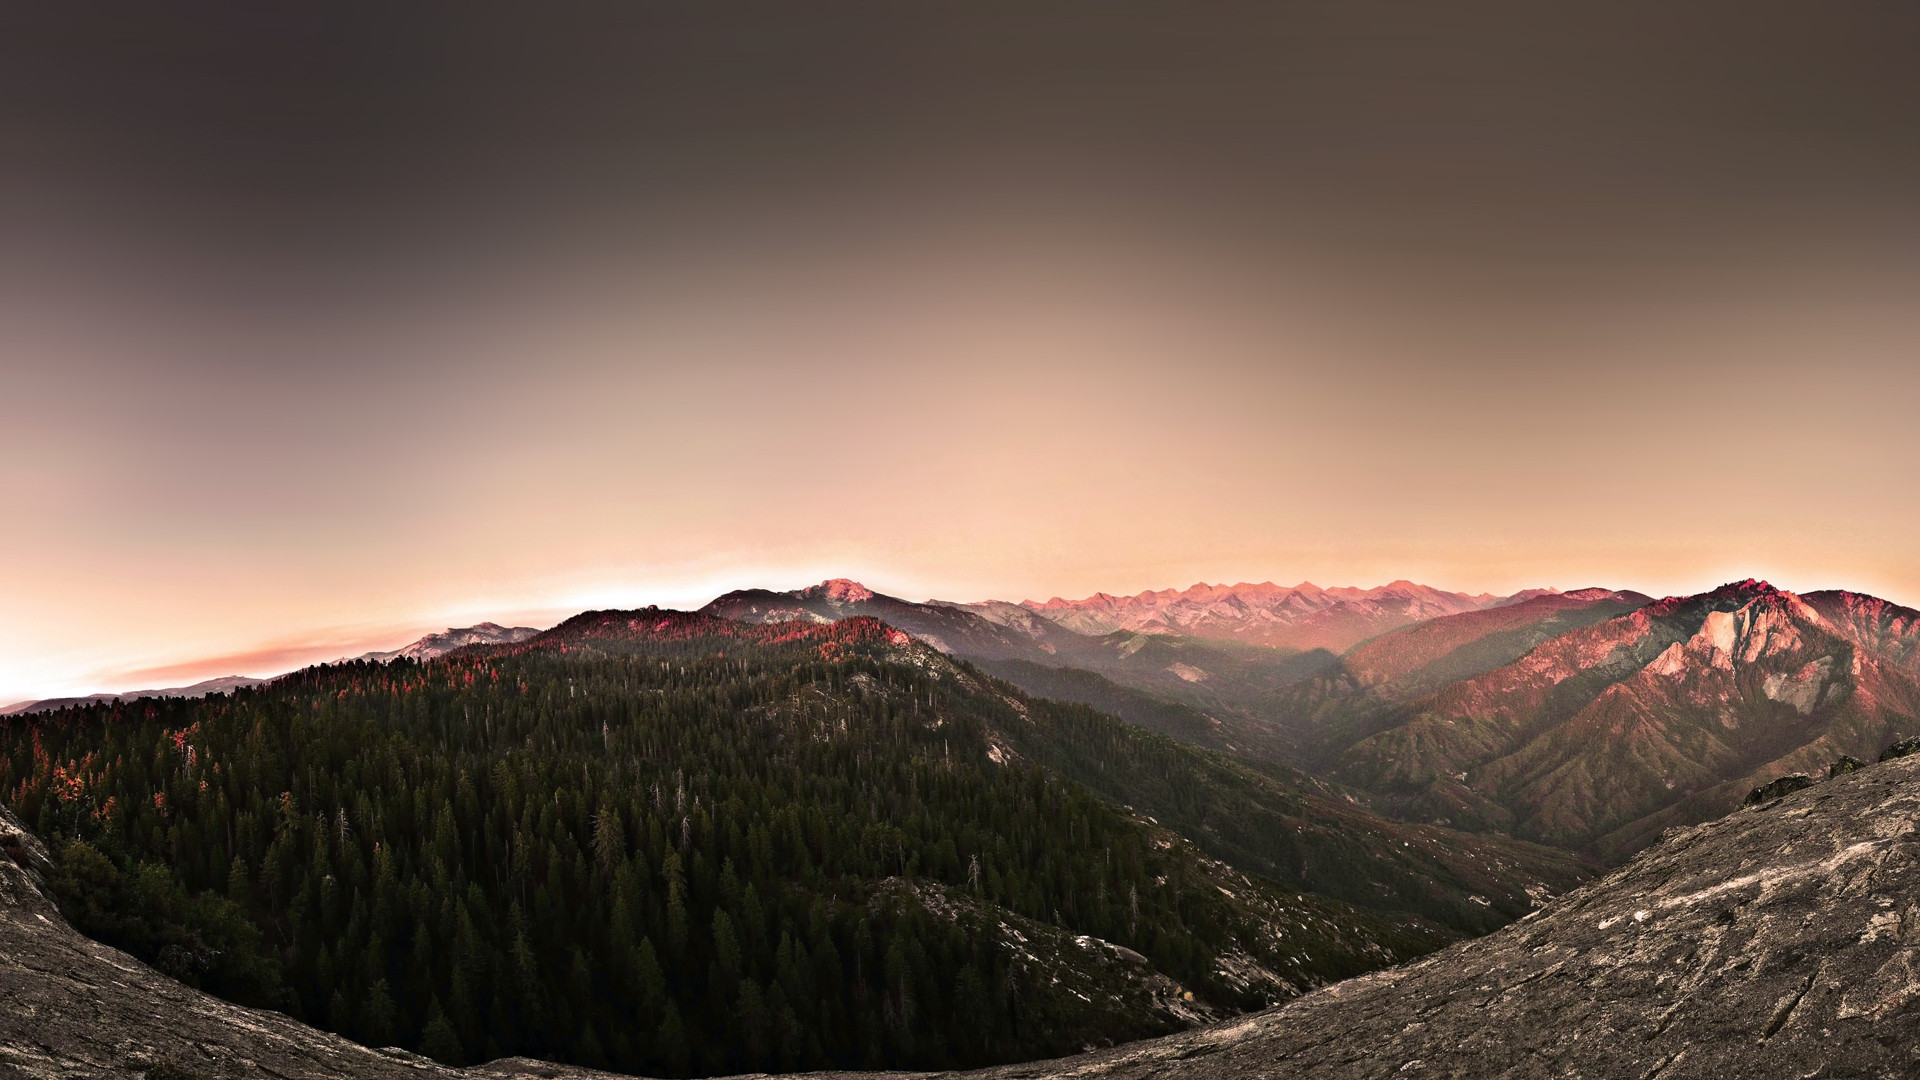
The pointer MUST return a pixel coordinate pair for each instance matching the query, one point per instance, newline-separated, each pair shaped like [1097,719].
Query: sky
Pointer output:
[324,328]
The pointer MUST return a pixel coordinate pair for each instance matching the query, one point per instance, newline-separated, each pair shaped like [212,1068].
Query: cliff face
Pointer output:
[1780,941]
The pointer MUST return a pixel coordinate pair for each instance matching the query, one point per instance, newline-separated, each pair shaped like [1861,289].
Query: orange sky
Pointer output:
[1491,303]
[962,421]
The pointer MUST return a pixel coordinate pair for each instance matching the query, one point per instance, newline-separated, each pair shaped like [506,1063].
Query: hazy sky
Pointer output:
[320,327]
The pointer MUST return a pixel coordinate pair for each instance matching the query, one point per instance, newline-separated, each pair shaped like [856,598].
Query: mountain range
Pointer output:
[1590,720]
[1303,616]
[1026,828]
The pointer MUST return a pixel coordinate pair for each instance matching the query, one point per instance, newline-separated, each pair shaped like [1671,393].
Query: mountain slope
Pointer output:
[1266,820]
[1606,734]
[1369,687]
[1419,659]
[1263,702]
[1775,942]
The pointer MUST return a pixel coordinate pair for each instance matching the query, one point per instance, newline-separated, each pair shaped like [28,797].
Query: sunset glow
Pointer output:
[1015,344]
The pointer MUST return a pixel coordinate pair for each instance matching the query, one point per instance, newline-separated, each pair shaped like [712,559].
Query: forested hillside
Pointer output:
[669,843]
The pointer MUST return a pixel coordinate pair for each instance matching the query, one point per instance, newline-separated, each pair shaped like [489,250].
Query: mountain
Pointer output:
[671,842]
[1604,735]
[1368,689]
[486,633]
[1774,942]
[1302,616]
[1201,690]
[220,685]
[1588,720]
[1416,660]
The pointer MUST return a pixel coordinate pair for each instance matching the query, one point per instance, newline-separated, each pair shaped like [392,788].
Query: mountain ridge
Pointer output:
[219,685]
[1667,713]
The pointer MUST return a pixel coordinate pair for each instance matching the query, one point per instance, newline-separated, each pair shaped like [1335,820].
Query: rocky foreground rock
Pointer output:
[1779,941]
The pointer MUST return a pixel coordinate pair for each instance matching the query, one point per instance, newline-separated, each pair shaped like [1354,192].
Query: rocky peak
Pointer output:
[840,591]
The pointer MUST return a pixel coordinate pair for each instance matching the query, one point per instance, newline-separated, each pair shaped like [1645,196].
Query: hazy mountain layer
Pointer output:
[1302,616]
[200,689]
[426,648]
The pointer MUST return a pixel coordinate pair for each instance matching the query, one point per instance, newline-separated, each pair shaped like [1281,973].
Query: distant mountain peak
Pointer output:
[1303,616]
[435,645]
[842,590]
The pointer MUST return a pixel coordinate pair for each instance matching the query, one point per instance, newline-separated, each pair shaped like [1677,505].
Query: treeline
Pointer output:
[655,855]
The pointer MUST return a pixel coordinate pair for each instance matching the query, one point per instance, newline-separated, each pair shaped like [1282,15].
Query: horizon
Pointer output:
[271,660]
